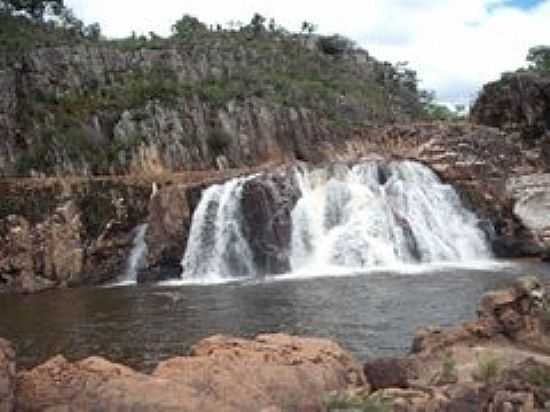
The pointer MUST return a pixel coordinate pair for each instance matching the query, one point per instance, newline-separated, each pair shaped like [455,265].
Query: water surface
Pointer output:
[373,314]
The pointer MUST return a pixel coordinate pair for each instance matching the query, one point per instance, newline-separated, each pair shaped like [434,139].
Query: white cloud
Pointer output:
[455,46]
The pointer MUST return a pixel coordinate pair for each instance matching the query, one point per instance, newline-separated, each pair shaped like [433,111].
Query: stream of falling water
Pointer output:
[371,215]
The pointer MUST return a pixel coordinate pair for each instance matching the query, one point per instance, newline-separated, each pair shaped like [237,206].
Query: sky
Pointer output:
[455,45]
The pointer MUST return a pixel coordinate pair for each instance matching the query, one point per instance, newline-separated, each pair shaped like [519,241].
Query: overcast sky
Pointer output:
[455,45]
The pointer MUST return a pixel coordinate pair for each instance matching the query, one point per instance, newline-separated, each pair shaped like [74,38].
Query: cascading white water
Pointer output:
[137,255]
[216,248]
[373,214]
[377,214]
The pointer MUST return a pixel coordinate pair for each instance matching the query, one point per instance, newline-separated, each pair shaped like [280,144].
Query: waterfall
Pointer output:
[136,258]
[379,214]
[372,214]
[216,247]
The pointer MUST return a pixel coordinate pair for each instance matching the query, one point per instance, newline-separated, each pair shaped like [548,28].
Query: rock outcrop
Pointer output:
[227,100]
[66,233]
[45,255]
[271,371]
[518,101]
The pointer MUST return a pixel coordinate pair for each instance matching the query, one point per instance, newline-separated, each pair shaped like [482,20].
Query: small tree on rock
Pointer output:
[36,9]
[539,57]
[257,24]
[187,27]
[308,27]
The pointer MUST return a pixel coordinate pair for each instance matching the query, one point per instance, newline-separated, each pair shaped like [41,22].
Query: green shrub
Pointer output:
[335,45]
[539,376]
[218,140]
[488,369]
[448,368]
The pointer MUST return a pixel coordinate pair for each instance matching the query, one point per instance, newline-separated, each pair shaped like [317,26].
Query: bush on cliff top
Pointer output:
[539,58]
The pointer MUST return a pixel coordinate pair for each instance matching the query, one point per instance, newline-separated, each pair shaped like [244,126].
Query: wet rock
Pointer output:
[170,213]
[267,203]
[7,376]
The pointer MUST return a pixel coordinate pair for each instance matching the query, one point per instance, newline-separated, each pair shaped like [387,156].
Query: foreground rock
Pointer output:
[222,374]
[500,362]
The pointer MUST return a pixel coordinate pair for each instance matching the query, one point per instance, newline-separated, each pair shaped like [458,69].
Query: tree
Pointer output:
[257,24]
[188,26]
[36,9]
[308,27]
[539,57]
[272,25]
[93,31]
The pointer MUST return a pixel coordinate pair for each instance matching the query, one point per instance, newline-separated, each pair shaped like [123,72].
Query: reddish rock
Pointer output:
[276,372]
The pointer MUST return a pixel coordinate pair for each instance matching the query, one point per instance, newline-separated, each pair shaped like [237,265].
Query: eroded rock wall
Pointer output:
[67,233]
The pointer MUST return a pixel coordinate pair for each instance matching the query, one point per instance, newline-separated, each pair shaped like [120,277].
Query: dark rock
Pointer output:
[170,214]
[519,101]
[267,203]
[510,248]
[387,373]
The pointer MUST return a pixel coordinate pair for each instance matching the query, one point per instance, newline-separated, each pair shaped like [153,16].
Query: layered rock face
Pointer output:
[272,371]
[222,102]
[519,103]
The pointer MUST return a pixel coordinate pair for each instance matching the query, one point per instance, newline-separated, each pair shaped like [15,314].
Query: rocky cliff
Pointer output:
[228,99]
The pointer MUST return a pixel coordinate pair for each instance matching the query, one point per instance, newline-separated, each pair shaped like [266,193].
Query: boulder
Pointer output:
[271,372]
[7,376]
[281,370]
[387,373]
